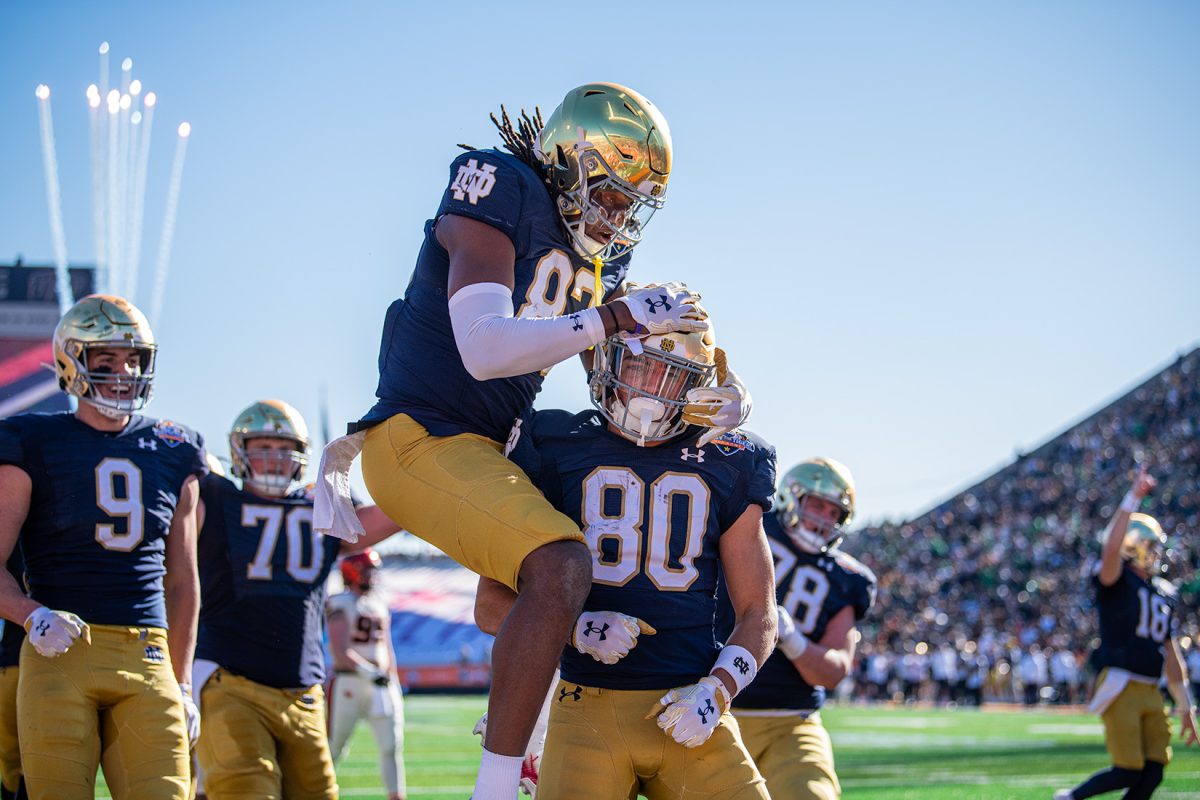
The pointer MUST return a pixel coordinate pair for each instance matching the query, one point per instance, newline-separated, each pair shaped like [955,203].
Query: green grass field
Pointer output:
[881,753]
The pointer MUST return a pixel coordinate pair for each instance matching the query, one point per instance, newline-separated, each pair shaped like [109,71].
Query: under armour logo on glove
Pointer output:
[616,635]
[576,695]
[591,628]
[662,302]
[741,665]
[707,698]
[704,712]
[42,628]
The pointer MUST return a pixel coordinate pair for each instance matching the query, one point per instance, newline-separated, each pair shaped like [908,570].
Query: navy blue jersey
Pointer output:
[813,587]
[13,634]
[95,538]
[262,582]
[652,517]
[1136,619]
[420,371]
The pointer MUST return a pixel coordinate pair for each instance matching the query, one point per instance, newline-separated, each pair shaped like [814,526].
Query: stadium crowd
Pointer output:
[988,593]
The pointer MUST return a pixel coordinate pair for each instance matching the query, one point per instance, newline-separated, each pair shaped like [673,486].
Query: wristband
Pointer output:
[1131,502]
[740,665]
[794,646]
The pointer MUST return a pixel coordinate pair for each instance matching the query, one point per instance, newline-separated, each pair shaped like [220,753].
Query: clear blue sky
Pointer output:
[929,233]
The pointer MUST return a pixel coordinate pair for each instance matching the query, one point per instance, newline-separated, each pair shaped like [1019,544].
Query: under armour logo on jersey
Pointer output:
[741,665]
[473,181]
[148,444]
[576,695]
[698,455]
[154,653]
[704,712]
[653,305]
[591,628]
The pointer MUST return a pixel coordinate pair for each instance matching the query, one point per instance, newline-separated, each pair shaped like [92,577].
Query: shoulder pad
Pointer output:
[737,441]
[342,601]
[853,566]
[1165,588]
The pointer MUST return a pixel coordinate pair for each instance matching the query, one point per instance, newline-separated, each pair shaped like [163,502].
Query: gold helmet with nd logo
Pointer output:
[269,447]
[607,157]
[102,322]
[640,386]
[1145,544]
[821,479]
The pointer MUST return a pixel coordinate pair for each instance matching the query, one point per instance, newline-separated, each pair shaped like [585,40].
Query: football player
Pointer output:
[103,500]
[260,664]
[821,593]
[11,785]
[521,268]
[1137,643]
[360,644]
[659,513]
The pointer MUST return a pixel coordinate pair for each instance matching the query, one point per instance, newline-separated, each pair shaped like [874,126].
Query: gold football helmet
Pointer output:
[817,477]
[640,385]
[607,154]
[104,321]
[1145,544]
[282,468]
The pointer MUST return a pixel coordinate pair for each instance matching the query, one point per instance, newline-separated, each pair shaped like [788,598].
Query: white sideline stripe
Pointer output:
[34,394]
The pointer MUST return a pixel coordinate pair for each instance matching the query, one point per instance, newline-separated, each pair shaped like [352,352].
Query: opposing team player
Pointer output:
[659,512]
[11,784]
[520,269]
[104,502]
[362,686]
[260,664]
[821,593]
[1137,643]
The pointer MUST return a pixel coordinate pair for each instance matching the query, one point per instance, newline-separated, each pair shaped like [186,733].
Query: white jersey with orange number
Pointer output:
[366,618]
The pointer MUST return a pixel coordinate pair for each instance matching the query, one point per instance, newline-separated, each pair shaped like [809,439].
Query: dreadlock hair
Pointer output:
[521,141]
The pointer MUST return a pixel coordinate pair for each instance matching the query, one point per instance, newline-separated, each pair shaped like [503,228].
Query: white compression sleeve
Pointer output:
[495,344]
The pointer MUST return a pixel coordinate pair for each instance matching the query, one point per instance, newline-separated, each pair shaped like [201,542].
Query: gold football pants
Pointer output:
[113,702]
[1136,727]
[793,754]
[599,746]
[10,751]
[460,494]
[262,743]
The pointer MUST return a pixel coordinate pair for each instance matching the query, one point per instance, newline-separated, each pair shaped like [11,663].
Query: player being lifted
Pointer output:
[1137,644]
[521,268]
[821,594]
[360,645]
[103,501]
[659,513]
[260,664]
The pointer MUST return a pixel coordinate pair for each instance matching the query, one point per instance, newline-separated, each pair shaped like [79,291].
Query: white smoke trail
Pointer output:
[139,183]
[168,231]
[96,129]
[50,166]
[112,207]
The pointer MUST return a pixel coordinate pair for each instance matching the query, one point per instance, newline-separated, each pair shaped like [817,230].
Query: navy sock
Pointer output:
[1108,780]
[1152,775]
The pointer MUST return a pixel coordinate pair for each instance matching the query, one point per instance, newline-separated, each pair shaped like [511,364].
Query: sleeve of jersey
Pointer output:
[199,462]
[756,484]
[485,187]
[11,449]
[864,599]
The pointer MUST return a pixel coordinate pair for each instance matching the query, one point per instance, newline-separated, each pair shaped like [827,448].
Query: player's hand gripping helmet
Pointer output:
[103,321]
[357,568]
[643,394]
[607,153]
[277,469]
[1145,544]
[822,478]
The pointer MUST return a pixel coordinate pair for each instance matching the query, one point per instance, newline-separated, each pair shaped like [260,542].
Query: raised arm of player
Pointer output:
[493,343]
[749,577]
[1118,526]
[181,586]
[16,488]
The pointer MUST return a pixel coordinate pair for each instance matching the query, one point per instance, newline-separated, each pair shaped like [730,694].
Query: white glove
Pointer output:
[607,636]
[722,407]
[666,309]
[690,714]
[792,643]
[53,632]
[191,715]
